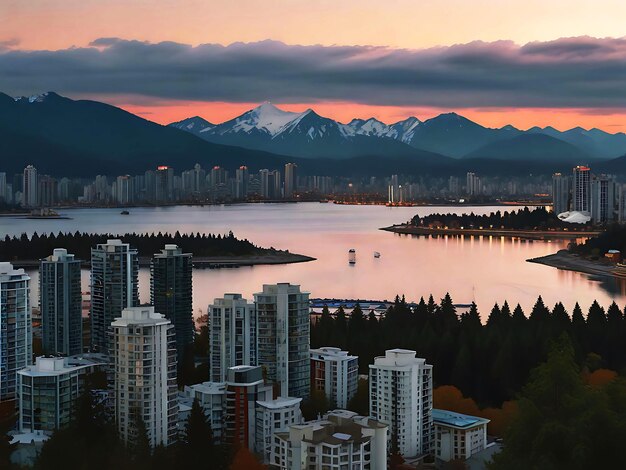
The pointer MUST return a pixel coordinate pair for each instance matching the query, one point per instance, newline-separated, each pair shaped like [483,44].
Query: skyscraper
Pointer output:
[603,197]
[291,179]
[560,193]
[60,303]
[581,191]
[401,388]
[30,197]
[241,182]
[16,342]
[472,184]
[3,187]
[164,184]
[124,189]
[144,359]
[283,337]
[47,191]
[114,273]
[171,293]
[232,335]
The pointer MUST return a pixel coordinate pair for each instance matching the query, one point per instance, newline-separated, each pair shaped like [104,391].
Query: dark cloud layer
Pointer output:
[581,72]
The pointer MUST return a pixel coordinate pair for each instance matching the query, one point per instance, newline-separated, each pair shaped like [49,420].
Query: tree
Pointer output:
[561,423]
[245,460]
[197,445]
[360,402]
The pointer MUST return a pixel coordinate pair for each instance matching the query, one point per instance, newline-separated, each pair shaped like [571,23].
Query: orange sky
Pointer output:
[55,24]
[523,118]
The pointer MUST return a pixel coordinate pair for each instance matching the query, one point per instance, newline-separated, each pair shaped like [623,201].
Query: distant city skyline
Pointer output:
[497,63]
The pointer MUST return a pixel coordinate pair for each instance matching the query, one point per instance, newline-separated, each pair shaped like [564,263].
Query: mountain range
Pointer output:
[66,137]
[310,135]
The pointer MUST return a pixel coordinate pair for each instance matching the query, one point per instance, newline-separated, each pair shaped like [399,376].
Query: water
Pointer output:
[484,269]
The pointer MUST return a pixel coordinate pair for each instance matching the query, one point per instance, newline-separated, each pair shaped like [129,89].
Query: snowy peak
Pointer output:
[265,118]
[39,98]
[371,127]
[194,124]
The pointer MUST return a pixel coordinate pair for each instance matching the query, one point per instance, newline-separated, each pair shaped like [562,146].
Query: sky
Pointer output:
[525,63]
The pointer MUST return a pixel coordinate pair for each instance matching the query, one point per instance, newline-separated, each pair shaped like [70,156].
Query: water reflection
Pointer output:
[485,269]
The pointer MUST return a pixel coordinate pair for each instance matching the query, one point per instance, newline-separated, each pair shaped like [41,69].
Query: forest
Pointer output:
[488,361]
[522,219]
[23,248]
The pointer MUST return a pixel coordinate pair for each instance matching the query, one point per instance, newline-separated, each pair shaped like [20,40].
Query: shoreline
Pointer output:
[512,233]
[207,262]
[569,262]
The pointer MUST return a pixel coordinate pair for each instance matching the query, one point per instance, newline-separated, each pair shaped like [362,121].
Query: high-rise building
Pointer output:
[291,179]
[171,294]
[241,182]
[124,189]
[341,439]
[453,185]
[48,390]
[60,301]
[274,416]
[244,387]
[16,340]
[211,397]
[581,189]
[394,190]
[334,373]
[114,274]
[401,388]
[560,193]
[30,186]
[232,335]
[47,191]
[603,197]
[3,187]
[472,184]
[283,337]
[144,359]
[164,184]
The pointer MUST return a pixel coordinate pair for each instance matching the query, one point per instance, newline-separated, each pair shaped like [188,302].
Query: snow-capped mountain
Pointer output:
[194,124]
[307,134]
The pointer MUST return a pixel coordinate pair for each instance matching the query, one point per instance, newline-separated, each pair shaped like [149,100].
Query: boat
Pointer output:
[125,213]
[352,256]
[376,254]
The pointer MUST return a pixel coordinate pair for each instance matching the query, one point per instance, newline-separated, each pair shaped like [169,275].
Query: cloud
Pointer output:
[581,72]
[6,44]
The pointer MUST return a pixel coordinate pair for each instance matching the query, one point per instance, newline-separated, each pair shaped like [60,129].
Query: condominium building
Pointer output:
[561,189]
[124,189]
[16,347]
[241,182]
[283,337]
[291,179]
[603,199]
[473,186]
[30,187]
[171,294]
[401,388]
[244,387]
[581,189]
[60,301]
[48,390]
[144,360]
[335,373]
[458,436]
[211,397]
[232,335]
[114,274]
[274,416]
[340,440]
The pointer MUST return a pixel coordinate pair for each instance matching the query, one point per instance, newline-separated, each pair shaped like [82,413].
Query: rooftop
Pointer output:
[457,420]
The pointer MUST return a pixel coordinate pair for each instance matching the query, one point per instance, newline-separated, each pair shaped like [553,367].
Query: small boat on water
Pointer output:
[125,213]
[376,254]
[352,256]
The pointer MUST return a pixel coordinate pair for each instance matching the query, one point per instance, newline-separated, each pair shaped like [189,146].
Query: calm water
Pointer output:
[483,269]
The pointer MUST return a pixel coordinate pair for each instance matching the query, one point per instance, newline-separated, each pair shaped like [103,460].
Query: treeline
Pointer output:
[523,219]
[613,238]
[39,246]
[489,362]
